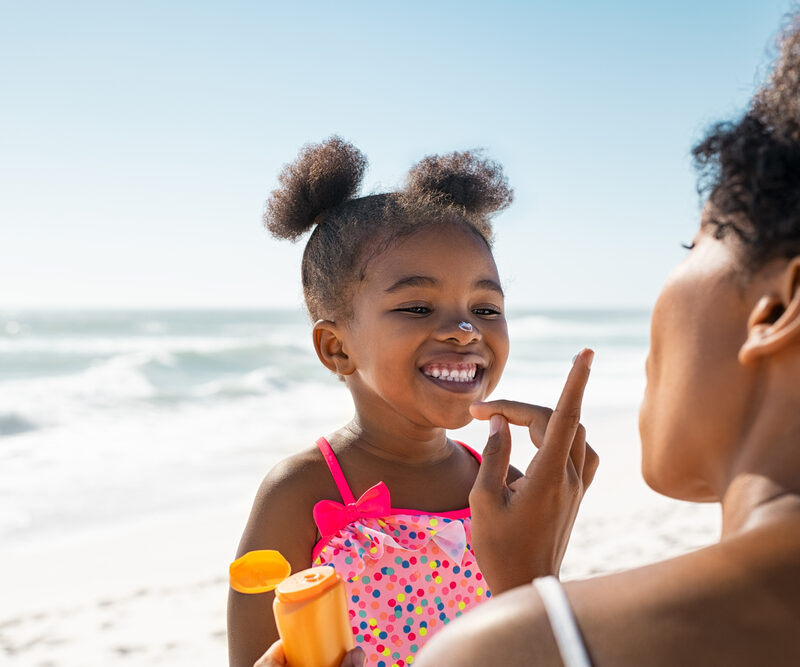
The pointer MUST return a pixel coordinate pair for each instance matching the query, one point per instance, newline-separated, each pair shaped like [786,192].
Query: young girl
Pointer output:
[408,312]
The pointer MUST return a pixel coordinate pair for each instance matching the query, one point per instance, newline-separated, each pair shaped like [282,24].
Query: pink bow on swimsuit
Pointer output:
[331,516]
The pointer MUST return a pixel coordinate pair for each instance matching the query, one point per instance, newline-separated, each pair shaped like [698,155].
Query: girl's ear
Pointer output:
[775,320]
[329,345]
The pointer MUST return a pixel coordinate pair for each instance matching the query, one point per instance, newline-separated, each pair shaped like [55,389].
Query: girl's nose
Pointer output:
[462,332]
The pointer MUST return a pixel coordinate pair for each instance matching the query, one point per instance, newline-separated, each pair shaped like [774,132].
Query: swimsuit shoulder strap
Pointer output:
[336,470]
[338,476]
[470,450]
[562,621]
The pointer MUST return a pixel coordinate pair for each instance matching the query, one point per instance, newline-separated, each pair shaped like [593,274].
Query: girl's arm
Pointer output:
[281,519]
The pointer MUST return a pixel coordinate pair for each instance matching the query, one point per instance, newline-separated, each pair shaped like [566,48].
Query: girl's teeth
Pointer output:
[453,374]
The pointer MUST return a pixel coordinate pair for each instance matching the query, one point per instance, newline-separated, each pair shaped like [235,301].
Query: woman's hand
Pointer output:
[520,530]
[275,657]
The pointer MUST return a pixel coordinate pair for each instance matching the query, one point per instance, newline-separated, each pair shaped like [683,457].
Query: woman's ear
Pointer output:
[775,320]
[329,344]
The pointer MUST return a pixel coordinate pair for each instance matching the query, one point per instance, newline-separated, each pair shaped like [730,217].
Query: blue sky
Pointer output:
[138,141]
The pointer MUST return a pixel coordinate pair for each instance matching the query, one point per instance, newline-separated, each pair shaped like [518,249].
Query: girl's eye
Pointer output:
[415,310]
[486,311]
[687,246]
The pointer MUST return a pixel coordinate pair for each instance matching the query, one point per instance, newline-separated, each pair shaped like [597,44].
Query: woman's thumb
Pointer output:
[354,658]
[496,456]
[274,657]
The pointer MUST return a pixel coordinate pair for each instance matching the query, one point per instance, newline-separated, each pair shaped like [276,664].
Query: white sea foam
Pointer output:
[106,418]
[587,325]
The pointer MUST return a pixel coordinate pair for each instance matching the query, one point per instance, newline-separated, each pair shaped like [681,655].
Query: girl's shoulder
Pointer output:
[281,517]
[301,478]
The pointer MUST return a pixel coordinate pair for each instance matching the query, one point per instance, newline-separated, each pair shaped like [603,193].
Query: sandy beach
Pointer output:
[153,591]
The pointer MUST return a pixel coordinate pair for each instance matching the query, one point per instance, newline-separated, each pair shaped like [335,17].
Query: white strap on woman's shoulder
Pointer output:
[562,621]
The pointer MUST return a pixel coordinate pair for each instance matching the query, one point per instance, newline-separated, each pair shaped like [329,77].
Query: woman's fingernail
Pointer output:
[360,658]
[588,356]
[495,423]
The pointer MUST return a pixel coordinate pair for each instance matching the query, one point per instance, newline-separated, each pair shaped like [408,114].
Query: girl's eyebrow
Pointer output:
[427,281]
[411,281]
[488,283]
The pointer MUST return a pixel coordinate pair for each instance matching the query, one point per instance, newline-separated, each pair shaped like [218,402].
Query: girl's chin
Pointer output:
[457,421]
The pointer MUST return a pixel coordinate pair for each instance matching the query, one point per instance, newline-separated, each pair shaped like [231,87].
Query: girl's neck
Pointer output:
[410,446]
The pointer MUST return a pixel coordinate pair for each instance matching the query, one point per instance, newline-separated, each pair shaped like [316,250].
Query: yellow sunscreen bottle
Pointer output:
[310,607]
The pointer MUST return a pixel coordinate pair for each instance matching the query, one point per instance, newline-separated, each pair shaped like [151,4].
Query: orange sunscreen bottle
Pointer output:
[310,607]
[311,614]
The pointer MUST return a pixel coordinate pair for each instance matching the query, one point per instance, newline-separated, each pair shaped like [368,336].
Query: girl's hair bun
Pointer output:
[465,179]
[322,177]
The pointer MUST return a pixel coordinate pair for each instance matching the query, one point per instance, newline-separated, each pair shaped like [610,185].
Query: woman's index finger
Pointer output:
[565,418]
[520,414]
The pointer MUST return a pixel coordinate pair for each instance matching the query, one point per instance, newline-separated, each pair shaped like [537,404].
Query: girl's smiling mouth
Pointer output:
[458,377]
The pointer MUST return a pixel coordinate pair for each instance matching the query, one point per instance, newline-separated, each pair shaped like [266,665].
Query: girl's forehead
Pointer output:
[431,239]
[446,253]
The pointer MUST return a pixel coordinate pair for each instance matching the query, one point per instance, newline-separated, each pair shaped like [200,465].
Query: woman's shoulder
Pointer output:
[736,602]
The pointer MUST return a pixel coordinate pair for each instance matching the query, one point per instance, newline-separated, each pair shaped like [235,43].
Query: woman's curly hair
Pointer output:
[319,189]
[750,169]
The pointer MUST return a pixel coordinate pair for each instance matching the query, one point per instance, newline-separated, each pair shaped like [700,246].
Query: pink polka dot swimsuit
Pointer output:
[407,573]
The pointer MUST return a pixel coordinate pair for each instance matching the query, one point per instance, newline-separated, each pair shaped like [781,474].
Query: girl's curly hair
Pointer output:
[319,189]
[750,169]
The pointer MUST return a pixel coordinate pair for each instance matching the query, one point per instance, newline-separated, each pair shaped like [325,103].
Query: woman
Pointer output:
[720,422]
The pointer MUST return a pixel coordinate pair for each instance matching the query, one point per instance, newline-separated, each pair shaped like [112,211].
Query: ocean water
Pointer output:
[112,416]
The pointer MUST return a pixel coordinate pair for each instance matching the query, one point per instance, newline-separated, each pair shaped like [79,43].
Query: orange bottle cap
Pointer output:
[258,571]
[307,584]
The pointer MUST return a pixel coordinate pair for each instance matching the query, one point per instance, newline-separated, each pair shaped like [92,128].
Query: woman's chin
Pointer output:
[655,482]
[678,486]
